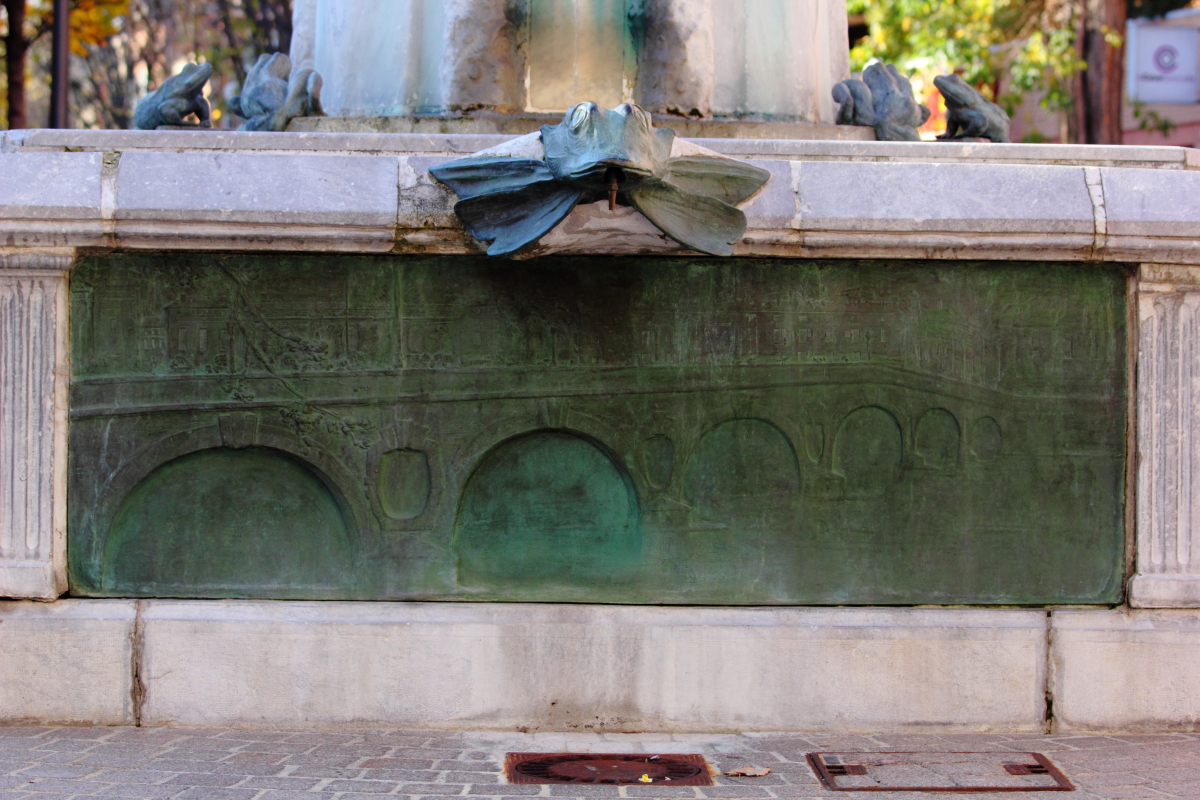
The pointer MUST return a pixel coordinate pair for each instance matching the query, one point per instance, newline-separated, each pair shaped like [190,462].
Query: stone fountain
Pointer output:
[730,433]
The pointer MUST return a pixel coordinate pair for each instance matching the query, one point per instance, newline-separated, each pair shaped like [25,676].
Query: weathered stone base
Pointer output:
[1126,670]
[520,125]
[69,661]
[547,667]
[1164,591]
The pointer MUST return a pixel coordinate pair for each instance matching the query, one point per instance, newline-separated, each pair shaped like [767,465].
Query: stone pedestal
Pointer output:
[33,409]
[1168,492]
[692,58]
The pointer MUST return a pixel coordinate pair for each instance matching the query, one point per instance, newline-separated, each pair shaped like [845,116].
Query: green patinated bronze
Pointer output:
[512,202]
[598,430]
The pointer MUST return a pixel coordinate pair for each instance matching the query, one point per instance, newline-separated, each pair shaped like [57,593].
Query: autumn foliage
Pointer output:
[25,22]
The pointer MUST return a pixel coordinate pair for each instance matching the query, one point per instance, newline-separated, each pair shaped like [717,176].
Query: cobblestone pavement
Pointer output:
[39,763]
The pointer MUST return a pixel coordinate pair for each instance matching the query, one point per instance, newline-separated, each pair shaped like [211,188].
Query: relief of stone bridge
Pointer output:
[656,431]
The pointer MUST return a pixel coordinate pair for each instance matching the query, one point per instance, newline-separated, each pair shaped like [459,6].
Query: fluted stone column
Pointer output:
[33,425]
[1168,463]
[304,34]
[675,73]
[482,67]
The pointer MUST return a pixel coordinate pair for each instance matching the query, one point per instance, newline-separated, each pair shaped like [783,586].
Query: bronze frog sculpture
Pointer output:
[178,96]
[884,100]
[271,96]
[594,154]
[970,115]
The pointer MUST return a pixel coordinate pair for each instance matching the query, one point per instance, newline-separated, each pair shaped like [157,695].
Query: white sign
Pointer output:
[1165,71]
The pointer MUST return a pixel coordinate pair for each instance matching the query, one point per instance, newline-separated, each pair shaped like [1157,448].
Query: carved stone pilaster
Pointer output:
[33,428]
[1168,408]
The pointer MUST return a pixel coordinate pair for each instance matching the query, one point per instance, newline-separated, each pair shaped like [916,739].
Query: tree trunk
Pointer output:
[15,47]
[1103,81]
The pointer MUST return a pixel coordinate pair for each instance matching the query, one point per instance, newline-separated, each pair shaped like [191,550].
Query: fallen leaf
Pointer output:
[645,779]
[748,772]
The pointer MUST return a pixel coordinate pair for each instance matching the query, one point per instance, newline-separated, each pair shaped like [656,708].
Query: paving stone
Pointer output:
[1135,793]
[98,732]
[68,745]
[424,752]
[279,782]
[7,766]
[583,790]
[131,776]
[69,757]
[58,771]
[63,786]
[308,771]
[188,754]
[127,762]
[457,763]
[387,740]
[418,775]
[225,768]
[144,736]
[403,763]
[766,780]
[323,761]
[179,765]
[282,748]
[314,739]
[244,735]
[374,787]
[795,792]
[509,789]
[432,788]
[472,777]
[204,779]
[735,791]
[142,791]
[352,750]
[212,793]
[661,791]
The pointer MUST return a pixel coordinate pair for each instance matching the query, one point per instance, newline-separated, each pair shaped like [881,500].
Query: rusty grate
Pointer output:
[938,772]
[613,769]
[1026,769]
[846,769]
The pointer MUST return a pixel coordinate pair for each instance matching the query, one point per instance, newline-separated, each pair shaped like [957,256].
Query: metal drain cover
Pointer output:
[614,769]
[938,772]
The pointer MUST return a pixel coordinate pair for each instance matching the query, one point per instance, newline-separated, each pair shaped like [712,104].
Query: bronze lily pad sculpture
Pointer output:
[597,153]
